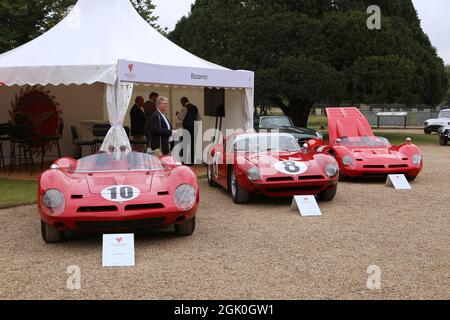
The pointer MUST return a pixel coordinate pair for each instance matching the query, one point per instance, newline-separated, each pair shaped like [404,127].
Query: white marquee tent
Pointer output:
[85,62]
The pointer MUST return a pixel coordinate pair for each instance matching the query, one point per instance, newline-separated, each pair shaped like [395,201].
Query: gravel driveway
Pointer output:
[257,251]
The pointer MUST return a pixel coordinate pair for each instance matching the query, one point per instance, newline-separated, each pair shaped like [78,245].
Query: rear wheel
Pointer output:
[239,194]
[185,229]
[442,141]
[426,131]
[328,195]
[210,173]
[50,234]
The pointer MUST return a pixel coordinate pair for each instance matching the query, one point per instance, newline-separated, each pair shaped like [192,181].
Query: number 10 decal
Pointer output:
[120,193]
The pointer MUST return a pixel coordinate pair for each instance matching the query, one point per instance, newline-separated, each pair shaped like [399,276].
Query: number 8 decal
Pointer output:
[291,167]
[120,193]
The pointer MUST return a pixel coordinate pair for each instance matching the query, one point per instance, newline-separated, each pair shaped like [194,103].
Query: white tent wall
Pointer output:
[77,103]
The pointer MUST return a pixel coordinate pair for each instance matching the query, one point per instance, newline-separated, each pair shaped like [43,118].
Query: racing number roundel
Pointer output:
[120,193]
[291,167]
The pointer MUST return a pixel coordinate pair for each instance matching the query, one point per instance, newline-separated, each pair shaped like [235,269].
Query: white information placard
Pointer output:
[306,205]
[399,182]
[118,250]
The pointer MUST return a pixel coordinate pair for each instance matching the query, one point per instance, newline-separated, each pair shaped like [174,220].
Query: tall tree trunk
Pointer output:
[299,111]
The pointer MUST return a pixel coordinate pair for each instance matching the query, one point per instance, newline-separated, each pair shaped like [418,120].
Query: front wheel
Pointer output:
[239,194]
[442,141]
[411,178]
[426,131]
[328,195]
[211,181]
[185,229]
[50,234]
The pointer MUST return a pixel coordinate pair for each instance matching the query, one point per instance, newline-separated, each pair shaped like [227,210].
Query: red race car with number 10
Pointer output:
[273,164]
[116,191]
[361,154]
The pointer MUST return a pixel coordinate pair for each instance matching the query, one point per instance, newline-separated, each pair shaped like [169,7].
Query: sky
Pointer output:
[434,15]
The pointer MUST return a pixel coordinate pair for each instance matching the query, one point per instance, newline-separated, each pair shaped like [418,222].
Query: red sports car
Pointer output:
[361,154]
[273,165]
[116,191]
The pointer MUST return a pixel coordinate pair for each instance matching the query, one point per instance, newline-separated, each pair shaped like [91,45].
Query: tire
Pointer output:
[328,195]
[442,141]
[185,229]
[411,178]
[342,177]
[427,131]
[239,194]
[50,234]
[211,182]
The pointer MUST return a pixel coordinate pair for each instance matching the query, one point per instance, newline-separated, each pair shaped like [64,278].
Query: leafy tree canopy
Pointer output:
[308,51]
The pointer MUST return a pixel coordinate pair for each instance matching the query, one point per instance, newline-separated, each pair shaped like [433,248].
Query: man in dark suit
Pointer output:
[189,115]
[137,116]
[161,128]
[149,108]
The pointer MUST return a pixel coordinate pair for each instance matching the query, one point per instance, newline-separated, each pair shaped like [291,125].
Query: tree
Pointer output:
[308,51]
[446,101]
[24,20]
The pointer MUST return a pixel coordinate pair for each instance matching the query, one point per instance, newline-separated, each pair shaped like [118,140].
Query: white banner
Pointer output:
[137,72]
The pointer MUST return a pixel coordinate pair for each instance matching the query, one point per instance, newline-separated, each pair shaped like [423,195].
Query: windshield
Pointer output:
[444,114]
[275,122]
[262,143]
[114,162]
[365,141]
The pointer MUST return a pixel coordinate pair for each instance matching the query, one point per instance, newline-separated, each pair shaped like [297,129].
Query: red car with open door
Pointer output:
[116,191]
[361,154]
[273,164]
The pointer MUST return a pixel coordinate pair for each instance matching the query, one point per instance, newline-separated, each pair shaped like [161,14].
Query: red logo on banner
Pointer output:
[119,240]
[131,67]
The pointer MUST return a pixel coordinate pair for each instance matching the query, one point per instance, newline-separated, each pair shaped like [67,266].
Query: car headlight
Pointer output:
[417,159]
[331,170]
[54,201]
[319,135]
[253,174]
[185,197]
[347,160]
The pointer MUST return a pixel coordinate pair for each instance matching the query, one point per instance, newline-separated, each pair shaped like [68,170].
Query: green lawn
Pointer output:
[16,193]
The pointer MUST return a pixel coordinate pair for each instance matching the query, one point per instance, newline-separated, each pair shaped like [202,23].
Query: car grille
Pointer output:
[150,206]
[395,166]
[128,224]
[97,209]
[311,178]
[373,167]
[293,189]
[280,179]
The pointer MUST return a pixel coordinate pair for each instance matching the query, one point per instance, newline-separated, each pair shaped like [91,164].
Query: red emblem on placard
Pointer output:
[119,240]
[131,67]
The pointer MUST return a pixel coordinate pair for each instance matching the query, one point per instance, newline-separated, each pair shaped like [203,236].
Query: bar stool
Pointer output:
[45,140]
[4,136]
[21,140]
[79,144]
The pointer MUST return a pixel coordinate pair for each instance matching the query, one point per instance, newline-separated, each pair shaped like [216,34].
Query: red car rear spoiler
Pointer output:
[347,122]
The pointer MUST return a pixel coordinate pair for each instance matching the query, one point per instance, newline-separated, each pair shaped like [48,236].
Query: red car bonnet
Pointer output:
[347,122]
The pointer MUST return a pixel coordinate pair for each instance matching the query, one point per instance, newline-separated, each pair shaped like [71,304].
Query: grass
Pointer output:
[17,193]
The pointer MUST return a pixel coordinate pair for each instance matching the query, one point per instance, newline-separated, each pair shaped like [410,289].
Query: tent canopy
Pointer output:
[85,47]
[102,41]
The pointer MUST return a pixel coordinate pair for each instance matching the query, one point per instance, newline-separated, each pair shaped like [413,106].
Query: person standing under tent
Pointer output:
[161,128]
[137,116]
[149,108]
[188,115]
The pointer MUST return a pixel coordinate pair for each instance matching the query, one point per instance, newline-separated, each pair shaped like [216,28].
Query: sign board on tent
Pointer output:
[137,72]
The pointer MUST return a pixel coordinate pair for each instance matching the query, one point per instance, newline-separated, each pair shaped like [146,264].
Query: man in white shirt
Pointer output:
[161,128]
